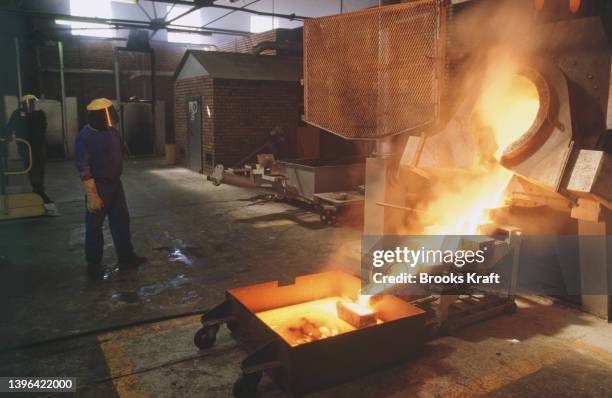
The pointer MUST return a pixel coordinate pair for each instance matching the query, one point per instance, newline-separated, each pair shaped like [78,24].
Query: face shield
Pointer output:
[102,114]
[27,103]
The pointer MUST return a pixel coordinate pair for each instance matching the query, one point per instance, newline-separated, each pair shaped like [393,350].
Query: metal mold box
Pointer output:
[307,177]
[309,366]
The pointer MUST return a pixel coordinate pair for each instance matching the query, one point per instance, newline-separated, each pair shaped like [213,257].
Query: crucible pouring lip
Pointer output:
[537,133]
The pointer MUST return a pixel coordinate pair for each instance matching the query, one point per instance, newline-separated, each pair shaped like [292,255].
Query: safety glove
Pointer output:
[94,202]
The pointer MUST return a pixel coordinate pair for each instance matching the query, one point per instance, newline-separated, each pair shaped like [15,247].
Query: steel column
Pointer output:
[60,49]
[18,65]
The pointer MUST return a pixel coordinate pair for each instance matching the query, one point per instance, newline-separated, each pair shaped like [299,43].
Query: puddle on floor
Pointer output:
[180,252]
[109,271]
[175,255]
[191,295]
[126,297]
[146,293]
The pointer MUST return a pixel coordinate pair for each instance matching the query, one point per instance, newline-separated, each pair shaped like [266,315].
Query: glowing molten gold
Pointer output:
[314,320]
[508,107]
[505,110]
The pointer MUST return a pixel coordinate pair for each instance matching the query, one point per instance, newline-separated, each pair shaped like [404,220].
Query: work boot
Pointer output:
[51,210]
[96,271]
[131,262]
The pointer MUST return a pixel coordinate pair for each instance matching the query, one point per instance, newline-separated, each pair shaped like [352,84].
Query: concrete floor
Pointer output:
[203,239]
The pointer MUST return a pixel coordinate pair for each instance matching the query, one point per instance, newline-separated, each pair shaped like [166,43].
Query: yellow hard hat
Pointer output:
[98,104]
[29,97]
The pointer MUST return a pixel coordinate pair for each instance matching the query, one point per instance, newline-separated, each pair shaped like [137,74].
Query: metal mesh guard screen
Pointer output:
[371,74]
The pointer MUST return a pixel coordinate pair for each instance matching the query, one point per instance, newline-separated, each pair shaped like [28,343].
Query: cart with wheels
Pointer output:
[262,316]
[334,205]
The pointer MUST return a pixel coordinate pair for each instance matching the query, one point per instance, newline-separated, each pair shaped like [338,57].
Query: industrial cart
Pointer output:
[302,366]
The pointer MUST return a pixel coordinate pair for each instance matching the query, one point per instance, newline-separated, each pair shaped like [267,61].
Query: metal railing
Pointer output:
[27,169]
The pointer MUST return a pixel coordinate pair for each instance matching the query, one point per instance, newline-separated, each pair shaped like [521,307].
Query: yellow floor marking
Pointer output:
[306,217]
[309,217]
[121,370]
[273,223]
[518,369]
[119,364]
[596,352]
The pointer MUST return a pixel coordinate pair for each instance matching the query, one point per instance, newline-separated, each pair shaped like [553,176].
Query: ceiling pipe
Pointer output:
[127,23]
[207,3]
[291,17]
[228,13]
[181,15]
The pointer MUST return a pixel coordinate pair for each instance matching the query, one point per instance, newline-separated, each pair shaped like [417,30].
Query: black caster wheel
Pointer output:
[232,326]
[448,329]
[510,308]
[234,330]
[206,336]
[329,217]
[246,386]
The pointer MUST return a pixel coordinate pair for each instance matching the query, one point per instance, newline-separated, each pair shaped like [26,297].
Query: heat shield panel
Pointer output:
[373,73]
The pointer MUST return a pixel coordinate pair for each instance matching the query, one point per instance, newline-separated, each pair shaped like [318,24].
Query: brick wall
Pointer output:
[242,114]
[246,111]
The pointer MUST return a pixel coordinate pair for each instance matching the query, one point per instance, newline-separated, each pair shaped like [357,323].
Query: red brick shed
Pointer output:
[226,104]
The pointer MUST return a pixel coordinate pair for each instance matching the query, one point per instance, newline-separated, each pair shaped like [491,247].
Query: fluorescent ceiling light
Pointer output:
[88,28]
[76,24]
[93,9]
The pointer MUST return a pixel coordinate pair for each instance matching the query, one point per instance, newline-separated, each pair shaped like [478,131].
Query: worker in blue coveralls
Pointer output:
[99,152]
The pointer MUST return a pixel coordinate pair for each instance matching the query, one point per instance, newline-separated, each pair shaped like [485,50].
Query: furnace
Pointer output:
[531,135]
[526,129]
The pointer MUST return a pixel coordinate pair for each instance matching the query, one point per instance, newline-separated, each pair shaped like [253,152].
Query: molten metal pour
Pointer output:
[319,319]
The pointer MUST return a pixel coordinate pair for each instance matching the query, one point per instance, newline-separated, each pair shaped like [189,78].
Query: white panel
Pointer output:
[10,104]
[72,124]
[191,68]
[53,111]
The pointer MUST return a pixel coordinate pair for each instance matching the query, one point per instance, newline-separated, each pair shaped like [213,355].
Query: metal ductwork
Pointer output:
[281,48]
